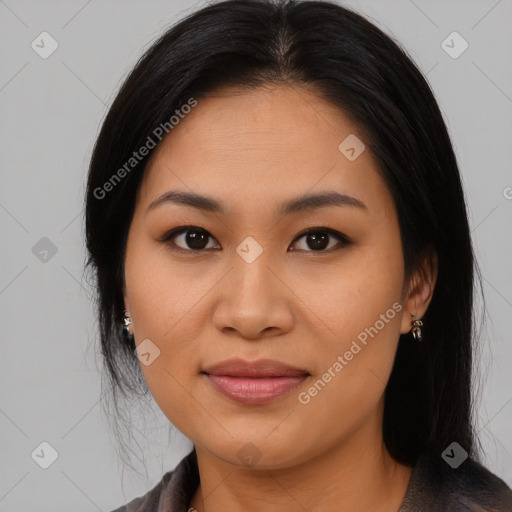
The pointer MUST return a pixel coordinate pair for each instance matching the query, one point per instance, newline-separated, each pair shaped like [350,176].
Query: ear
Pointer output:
[419,291]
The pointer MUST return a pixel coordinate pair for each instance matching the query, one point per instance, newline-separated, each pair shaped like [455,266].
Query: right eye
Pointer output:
[191,238]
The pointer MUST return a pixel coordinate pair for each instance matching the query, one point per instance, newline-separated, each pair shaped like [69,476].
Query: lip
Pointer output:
[259,368]
[255,382]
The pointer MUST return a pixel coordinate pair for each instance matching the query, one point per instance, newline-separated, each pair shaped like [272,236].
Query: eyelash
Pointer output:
[166,239]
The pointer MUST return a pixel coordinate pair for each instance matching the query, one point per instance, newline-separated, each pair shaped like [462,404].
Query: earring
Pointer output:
[416,329]
[126,323]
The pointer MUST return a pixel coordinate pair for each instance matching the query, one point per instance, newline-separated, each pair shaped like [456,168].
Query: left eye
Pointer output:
[317,239]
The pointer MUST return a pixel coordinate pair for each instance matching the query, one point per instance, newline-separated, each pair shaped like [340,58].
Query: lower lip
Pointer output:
[252,390]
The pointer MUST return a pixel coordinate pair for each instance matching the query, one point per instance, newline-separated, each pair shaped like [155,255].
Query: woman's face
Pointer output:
[245,282]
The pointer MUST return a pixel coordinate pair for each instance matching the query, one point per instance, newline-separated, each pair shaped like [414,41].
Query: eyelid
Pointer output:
[344,239]
[178,230]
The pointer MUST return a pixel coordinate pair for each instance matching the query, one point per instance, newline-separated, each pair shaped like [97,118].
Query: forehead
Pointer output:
[249,143]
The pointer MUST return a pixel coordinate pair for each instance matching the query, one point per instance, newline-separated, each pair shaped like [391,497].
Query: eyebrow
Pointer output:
[306,202]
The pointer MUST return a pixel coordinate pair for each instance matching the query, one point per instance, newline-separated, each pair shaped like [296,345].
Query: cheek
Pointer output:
[161,294]
[165,302]
[352,295]
[360,312]
[354,357]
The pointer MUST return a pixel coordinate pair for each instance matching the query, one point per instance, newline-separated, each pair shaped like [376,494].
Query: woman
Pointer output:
[275,216]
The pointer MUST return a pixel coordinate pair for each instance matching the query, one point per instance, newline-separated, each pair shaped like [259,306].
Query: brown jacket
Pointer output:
[469,488]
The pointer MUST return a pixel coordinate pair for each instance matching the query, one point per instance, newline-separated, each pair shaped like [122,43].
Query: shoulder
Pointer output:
[176,486]
[475,488]
[468,488]
[149,501]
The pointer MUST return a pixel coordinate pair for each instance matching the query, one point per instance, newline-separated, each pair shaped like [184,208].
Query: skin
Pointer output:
[252,150]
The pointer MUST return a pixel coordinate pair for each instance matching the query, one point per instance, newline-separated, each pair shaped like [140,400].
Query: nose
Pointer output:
[254,301]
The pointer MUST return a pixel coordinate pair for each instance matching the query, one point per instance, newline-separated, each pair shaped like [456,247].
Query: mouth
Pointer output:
[254,382]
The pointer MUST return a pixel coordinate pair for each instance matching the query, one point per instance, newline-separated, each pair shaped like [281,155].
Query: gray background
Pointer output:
[51,110]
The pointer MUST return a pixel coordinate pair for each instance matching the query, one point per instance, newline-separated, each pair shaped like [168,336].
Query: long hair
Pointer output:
[357,67]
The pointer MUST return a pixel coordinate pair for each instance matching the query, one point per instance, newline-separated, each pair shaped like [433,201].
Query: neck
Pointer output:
[358,474]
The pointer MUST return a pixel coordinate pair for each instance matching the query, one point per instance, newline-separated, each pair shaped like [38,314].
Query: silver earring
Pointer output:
[416,329]
[126,323]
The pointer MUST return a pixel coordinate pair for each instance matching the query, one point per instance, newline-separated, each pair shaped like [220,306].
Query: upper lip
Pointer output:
[259,368]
